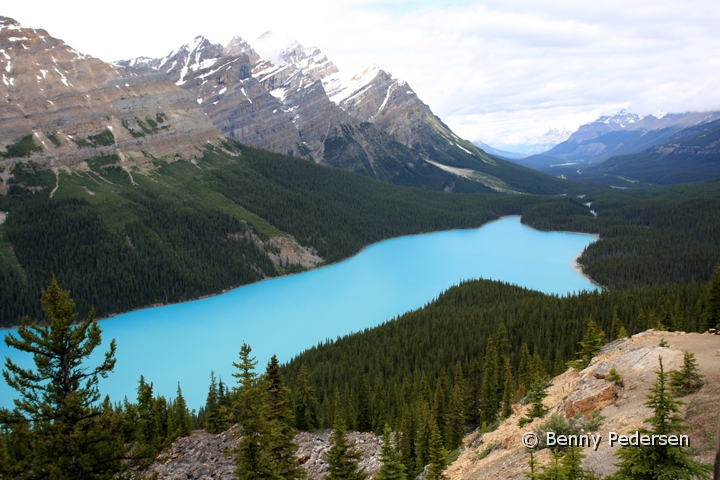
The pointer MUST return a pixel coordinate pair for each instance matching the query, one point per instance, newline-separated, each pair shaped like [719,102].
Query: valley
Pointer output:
[390,274]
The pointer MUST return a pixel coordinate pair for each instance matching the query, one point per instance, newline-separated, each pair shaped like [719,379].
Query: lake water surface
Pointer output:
[283,316]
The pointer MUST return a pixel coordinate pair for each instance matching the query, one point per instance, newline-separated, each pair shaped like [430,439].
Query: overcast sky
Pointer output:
[501,72]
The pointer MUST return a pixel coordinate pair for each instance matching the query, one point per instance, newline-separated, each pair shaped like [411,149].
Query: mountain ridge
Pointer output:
[623,133]
[368,123]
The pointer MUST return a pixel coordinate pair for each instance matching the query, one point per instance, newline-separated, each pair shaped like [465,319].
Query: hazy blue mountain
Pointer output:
[612,135]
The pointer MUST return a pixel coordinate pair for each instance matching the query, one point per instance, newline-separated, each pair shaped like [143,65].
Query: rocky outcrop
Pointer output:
[204,456]
[59,107]
[501,454]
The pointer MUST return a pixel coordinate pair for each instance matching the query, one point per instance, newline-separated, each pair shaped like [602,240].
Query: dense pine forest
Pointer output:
[431,375]
[183,231]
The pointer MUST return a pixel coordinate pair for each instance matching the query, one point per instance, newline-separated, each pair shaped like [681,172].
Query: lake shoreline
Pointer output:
[184,341]
[576,266]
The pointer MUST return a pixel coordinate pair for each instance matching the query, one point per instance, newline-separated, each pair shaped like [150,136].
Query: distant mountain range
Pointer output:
[532,146]
[691,155]
[621,134]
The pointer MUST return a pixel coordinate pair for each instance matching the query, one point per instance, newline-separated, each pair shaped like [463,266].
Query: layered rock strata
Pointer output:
[59,107]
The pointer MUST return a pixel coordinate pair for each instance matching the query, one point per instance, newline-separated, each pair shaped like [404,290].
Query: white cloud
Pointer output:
[495,71]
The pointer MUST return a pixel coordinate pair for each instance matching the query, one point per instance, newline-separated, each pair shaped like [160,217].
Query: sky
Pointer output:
[501,72]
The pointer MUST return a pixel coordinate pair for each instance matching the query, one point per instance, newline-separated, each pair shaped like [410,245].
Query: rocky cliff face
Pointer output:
[297,102]
[500,454]
[59,107]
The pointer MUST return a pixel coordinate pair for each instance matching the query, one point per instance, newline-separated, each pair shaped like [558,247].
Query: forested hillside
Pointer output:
[478,346]
[651,236]
[121,237]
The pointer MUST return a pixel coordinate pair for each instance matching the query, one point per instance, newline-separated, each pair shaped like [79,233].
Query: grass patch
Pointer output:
[484,453]
[96,163]
[452,456]
[24,147]
[54,139]
[134,133]
[104,138]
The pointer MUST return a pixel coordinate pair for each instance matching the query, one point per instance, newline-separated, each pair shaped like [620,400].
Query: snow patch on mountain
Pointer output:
[340,87]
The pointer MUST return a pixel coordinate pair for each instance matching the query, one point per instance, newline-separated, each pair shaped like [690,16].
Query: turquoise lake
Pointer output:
[283,316]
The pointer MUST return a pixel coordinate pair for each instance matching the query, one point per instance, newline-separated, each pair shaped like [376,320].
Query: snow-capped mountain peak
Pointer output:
[621,119]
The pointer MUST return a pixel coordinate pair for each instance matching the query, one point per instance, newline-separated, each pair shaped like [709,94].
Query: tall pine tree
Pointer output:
[251,459]
[280,434]
[392,466]
[72,436]
[342,458]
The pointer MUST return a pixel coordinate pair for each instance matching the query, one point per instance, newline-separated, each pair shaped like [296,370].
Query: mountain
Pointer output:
[691,155]
[62,107]
[500,153]
[611,135]
[297,102]
[548,140]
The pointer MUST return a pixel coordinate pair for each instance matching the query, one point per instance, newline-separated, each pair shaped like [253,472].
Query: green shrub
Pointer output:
[577,425]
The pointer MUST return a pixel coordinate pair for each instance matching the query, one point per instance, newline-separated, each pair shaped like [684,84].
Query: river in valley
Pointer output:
[284,316]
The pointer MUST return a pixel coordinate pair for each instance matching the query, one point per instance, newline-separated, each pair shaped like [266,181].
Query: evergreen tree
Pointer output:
[688,379]
[571,464]
[279,443]
[392,466]
[213,423]
[533,473]
[614,376]
[489,402]
[146,423]
[162,417]
[474,393]
[181,417]
[225,406]
[536,396]
[524,369]
[362,401]
[306,418]
[438,456]
[503,347]
[407,440]
[72,436]
[622,333]
[508,391]
[251,458]
[379,414]
[616,328]
[455,428]
[537,368]
[422,445]
[660,461]
[342,458]
[440,405]
[591,344]
[712,311]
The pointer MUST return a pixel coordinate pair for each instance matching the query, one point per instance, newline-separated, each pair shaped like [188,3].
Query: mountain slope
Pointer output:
[620,134]
[691,155]
[298,103]
[61,107]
